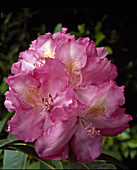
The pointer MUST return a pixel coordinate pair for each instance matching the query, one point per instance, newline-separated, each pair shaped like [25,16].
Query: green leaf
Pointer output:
[123,136]
[8,18]
[81,28]
[99,38]
[109,49]
[91,165]
[27,149]
[48,161]
[133,154]
[57,28]
[112,160]
[98,27]
[3,122]
[132,143]
[4,86]
[32,165]
[58,164]
[42,30]
[14,160]
[4,142]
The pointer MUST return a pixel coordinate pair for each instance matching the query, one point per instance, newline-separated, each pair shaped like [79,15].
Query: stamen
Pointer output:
[48,102]
[76,78]
[80,78]
[48,53]
[35,65]
[87,128]
[41,62]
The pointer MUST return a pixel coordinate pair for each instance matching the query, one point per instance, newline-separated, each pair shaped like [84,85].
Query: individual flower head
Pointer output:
[34,96]
[81,58]
[43,47]
[98,115]
[102,116]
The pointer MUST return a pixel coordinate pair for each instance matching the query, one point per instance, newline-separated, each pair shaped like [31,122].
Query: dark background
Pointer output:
[19,26]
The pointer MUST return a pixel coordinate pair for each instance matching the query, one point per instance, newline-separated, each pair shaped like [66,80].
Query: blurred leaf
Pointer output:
[27,149]
[130,65]
[14,23]
[57,28]
[133,154]
[4,86]
[132,143]
[123,136]
[1,15]
[14,49]
[98,27]
[58,164]
[112,160]
[115,153]
[91,165]
[4,121]
[4,142]
[109,49]
[113,37]
[8,18]
[14,160]
[42,30]
[48,161]
[32,165]
[99,38]
[126,153]
[81,28]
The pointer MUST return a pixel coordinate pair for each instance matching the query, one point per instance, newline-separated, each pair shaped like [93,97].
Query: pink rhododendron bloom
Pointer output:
[34,96]
[81,58]
[99,115]
[64,95]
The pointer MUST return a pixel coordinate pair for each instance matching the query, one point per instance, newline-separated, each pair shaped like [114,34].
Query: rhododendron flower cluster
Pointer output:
[64,95]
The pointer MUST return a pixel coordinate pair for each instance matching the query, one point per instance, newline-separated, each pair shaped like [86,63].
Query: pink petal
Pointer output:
[62,35]
[104,112]
[8,103]
[72,54]
[102,52]
[89,45]
[11,101]
[115,124]
[29,59]
[26,124]
[26,89]
[45,46]
[86,148]
[66,112]
[97,71]
[32,45]
[114,131]
[52,76]
[53,144]
[86,94]
[108,98]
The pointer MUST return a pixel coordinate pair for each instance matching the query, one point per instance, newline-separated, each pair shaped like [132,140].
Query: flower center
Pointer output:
[87,128]
[31,95]
[74,72]
[97,109]
[48,102]
[48,53]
